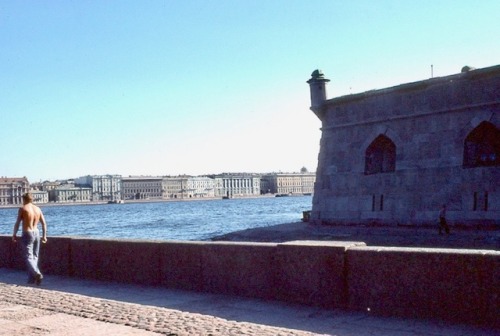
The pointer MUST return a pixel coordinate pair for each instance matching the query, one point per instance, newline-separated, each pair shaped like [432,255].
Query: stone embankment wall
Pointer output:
[448,284]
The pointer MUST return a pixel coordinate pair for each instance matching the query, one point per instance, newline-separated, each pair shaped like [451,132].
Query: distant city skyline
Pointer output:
[168,88]
[166,175]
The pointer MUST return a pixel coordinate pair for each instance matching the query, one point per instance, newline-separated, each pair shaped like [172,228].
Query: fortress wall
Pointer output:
[458,285]
[181,265]
[448,284]
[246,269]
[5,251]
[313,272]
[428,122]
[55,257]
[129,261]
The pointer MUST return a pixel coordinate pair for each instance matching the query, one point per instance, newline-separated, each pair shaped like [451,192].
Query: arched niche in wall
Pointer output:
[380,156]
[482,146]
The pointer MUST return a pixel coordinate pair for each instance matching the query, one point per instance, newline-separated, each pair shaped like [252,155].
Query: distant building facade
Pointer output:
[104,187]
[142,187]
[289,183]
[200,187]
[393,156]
[12,190]
[182,187]
[265,186]
[236,185]
[174,187]
[39,196]
[46,185]
[70,194]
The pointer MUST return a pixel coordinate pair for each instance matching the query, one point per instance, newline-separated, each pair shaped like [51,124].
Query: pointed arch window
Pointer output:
[482,146]
[380,156]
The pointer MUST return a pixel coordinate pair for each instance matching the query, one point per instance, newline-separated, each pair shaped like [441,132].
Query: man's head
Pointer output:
[27,198]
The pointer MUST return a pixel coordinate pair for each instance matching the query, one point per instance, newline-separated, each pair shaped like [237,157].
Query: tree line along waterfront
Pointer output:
[112,188]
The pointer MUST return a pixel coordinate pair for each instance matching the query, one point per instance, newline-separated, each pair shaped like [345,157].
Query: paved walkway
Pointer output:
[403,236]
[69,306]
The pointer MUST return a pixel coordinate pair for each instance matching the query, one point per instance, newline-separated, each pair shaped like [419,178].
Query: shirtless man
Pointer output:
[31,215]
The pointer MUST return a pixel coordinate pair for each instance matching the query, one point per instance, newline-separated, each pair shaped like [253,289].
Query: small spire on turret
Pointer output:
[317,75]
[317,85]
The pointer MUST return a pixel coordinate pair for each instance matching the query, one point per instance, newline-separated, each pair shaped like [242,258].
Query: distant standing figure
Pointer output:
[442,220]
[30,215]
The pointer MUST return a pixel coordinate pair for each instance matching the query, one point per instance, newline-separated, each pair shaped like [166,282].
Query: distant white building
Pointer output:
[39,196]
[174,187]
[200,187]
[70,194]
[12,190]
[289,183]
[181,187]
[237,185]
[46,185]
[104,187]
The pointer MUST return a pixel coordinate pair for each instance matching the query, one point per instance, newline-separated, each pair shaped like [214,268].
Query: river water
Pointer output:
[172,220]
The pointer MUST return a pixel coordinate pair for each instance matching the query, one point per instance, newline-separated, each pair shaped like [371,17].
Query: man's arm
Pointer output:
[44,227]
[16,226]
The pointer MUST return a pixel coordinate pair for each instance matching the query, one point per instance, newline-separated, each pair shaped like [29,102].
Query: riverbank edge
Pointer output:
[167,200]
[388,236]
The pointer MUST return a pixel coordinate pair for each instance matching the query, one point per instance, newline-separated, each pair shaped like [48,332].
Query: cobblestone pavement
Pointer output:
[155,319]
[72,307]
[19,320]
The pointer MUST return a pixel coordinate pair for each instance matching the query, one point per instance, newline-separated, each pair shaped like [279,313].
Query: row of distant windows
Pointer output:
[481,149]
[132,191]
[141,184]
[10,192]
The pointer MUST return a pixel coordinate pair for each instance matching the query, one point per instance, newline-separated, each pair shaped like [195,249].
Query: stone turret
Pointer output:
[317,85]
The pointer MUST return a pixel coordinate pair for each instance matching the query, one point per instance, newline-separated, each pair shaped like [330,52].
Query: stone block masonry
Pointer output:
[456,285]
[393,156]
[448,284]
[129,261]
[312,272]
[246,269]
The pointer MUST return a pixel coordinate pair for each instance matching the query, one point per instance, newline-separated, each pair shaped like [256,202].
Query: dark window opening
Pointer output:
[380,156]
[482,146]
[480,201]
[377,206]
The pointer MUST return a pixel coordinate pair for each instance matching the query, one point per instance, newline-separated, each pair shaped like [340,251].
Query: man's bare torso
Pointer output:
[30,215]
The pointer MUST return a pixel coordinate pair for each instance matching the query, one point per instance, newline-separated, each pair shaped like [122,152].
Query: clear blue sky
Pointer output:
[199,87]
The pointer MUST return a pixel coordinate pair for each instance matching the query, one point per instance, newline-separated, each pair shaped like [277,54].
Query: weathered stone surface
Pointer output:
[154,319]
[55,256]
[457,285]
[246,269]
[312,272]
[181,265]
[5,251]
[428,122]
[400,281]
[129,261]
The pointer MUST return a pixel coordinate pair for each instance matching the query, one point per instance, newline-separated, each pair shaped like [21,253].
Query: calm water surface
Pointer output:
[183,220]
